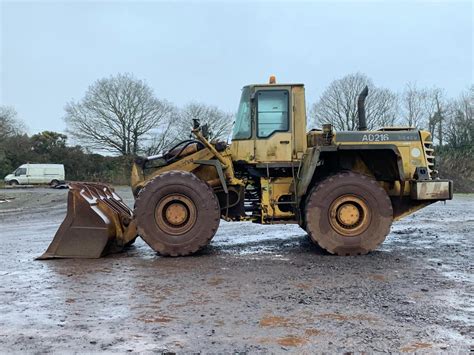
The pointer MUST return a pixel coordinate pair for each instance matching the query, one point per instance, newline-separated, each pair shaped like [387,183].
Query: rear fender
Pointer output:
[383,161]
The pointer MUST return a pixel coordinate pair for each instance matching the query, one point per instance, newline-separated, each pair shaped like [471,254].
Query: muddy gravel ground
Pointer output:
[254,289]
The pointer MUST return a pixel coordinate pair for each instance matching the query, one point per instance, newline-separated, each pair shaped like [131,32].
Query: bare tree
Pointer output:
[382,107]
[459,128]
[413,105]
[10,125]
[218,121]
[338,104]
[436,106]
[425,108]
[162,138]
[117,115]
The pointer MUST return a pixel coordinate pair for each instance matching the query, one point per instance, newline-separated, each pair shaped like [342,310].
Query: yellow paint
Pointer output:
[184,164]
[292,146]
[275,148]
[272,190]
[280,146]
[299,122]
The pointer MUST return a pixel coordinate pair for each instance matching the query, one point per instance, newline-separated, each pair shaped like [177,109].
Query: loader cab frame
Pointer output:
[270,124]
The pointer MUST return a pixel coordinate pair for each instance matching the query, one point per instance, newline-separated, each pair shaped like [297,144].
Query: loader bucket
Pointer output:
[98,222]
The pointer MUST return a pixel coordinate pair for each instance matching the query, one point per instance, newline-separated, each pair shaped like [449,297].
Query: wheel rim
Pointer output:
[175,214]
[349,215]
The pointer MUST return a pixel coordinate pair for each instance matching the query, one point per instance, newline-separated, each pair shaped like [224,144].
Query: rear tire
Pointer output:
[177,213]
[348,214]
[54,183]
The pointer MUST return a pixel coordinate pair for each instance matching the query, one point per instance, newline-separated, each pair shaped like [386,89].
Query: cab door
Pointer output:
[21,176]
[273,141]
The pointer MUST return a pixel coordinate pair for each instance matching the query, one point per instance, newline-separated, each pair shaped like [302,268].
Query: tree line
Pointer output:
[120,117]
[117,119]
[449,120]
[51,147]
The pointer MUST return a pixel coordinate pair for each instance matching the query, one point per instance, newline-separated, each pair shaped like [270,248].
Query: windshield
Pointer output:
[243,125]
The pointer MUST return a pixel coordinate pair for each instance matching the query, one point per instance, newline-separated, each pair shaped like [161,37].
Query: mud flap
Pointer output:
[97,223]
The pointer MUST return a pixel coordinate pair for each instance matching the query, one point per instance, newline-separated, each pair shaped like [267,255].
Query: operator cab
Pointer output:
[270,124]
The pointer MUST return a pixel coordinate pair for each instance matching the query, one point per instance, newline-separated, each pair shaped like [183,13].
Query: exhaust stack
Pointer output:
[361,109]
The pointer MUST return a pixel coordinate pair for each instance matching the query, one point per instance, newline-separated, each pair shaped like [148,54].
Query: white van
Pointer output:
[27,174]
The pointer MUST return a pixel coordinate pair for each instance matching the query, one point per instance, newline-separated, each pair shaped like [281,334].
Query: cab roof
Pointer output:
[273,85]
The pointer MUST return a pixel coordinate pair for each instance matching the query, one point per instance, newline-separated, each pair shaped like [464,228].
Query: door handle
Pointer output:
[284,142]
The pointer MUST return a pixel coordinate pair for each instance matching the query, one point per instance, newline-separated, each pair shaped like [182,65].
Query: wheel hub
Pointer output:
[175,214]
[349,215]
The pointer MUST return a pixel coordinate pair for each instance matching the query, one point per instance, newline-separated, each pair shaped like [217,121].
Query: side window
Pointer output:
[272,112]
[20,171]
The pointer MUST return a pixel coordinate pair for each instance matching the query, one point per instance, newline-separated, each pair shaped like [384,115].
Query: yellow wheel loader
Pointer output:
[343,188]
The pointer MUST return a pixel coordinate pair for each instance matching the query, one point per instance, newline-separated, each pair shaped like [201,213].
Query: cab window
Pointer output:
[20,171]
[272,112]
[243,123]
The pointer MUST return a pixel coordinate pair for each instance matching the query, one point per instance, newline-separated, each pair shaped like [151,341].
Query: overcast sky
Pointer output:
[205,52]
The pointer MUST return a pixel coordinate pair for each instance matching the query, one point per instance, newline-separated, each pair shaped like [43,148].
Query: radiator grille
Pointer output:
[429,152]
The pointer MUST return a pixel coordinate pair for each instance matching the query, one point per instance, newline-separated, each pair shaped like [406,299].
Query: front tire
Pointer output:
[177,213]
[348,214]
[13,183]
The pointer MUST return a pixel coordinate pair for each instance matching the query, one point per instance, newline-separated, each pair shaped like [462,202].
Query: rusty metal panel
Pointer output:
[432,190]
[277,147]
[273,189]
[243,150]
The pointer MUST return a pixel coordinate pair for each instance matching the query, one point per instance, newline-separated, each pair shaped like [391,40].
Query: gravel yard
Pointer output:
[255,288]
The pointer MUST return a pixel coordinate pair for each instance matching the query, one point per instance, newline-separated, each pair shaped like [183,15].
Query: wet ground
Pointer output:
[255,288]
